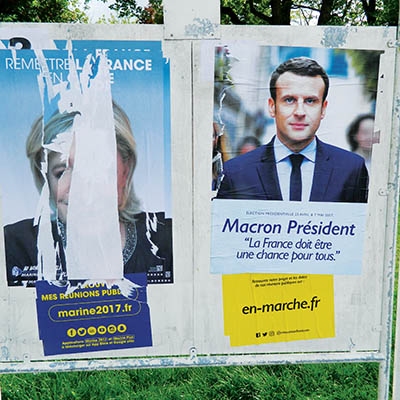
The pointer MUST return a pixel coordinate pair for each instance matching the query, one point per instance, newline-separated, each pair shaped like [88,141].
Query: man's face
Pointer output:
[298,109]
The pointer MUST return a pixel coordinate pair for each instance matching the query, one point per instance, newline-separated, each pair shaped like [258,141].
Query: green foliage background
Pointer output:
[250,12]
[41,11]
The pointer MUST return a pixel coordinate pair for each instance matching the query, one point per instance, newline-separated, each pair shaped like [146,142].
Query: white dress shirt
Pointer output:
[284,168]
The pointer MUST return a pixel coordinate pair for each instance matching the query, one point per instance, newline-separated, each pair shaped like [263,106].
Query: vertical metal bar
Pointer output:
[392,212]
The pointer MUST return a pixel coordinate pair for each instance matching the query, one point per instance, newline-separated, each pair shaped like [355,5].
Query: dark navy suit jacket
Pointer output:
[21,250]
[339,176]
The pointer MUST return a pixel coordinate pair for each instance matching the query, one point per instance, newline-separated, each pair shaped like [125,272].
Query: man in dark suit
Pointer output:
[295,165]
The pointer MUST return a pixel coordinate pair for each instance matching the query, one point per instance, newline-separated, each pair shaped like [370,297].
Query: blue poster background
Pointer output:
[140,85]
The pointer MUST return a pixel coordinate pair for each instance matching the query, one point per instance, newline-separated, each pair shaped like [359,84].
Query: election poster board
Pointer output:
[86,193]
[296,275]
[114,257]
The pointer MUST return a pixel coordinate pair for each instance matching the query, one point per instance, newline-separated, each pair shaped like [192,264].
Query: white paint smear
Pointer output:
[93,236]
[93,248]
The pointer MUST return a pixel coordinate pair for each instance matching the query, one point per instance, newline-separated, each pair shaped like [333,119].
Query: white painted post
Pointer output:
[191,19]
[396,126]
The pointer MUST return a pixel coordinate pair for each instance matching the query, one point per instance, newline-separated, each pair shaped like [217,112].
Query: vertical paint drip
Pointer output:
[47,266]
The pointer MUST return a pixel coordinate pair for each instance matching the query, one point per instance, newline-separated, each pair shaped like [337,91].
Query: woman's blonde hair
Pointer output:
[43,133]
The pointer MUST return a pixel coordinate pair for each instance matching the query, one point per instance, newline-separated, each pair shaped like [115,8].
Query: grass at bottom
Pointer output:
[358,381]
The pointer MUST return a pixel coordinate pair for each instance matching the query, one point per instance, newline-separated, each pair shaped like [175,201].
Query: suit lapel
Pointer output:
[268,174]
[322,173]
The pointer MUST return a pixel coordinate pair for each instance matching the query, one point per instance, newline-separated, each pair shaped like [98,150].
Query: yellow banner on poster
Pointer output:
[266,308]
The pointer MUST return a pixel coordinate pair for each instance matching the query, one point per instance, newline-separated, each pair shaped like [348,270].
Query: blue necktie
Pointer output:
[295,177]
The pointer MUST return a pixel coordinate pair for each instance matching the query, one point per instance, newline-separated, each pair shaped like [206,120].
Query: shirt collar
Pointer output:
[282,152]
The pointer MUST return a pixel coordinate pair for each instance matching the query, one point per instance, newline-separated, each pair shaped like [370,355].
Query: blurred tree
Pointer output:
[42,11]
[129,9]
[278,12]
[366,65]
[322,12]
[249,12]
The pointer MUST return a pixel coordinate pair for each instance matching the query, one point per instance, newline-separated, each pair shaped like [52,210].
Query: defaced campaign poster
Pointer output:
[85,184]
[293,138]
